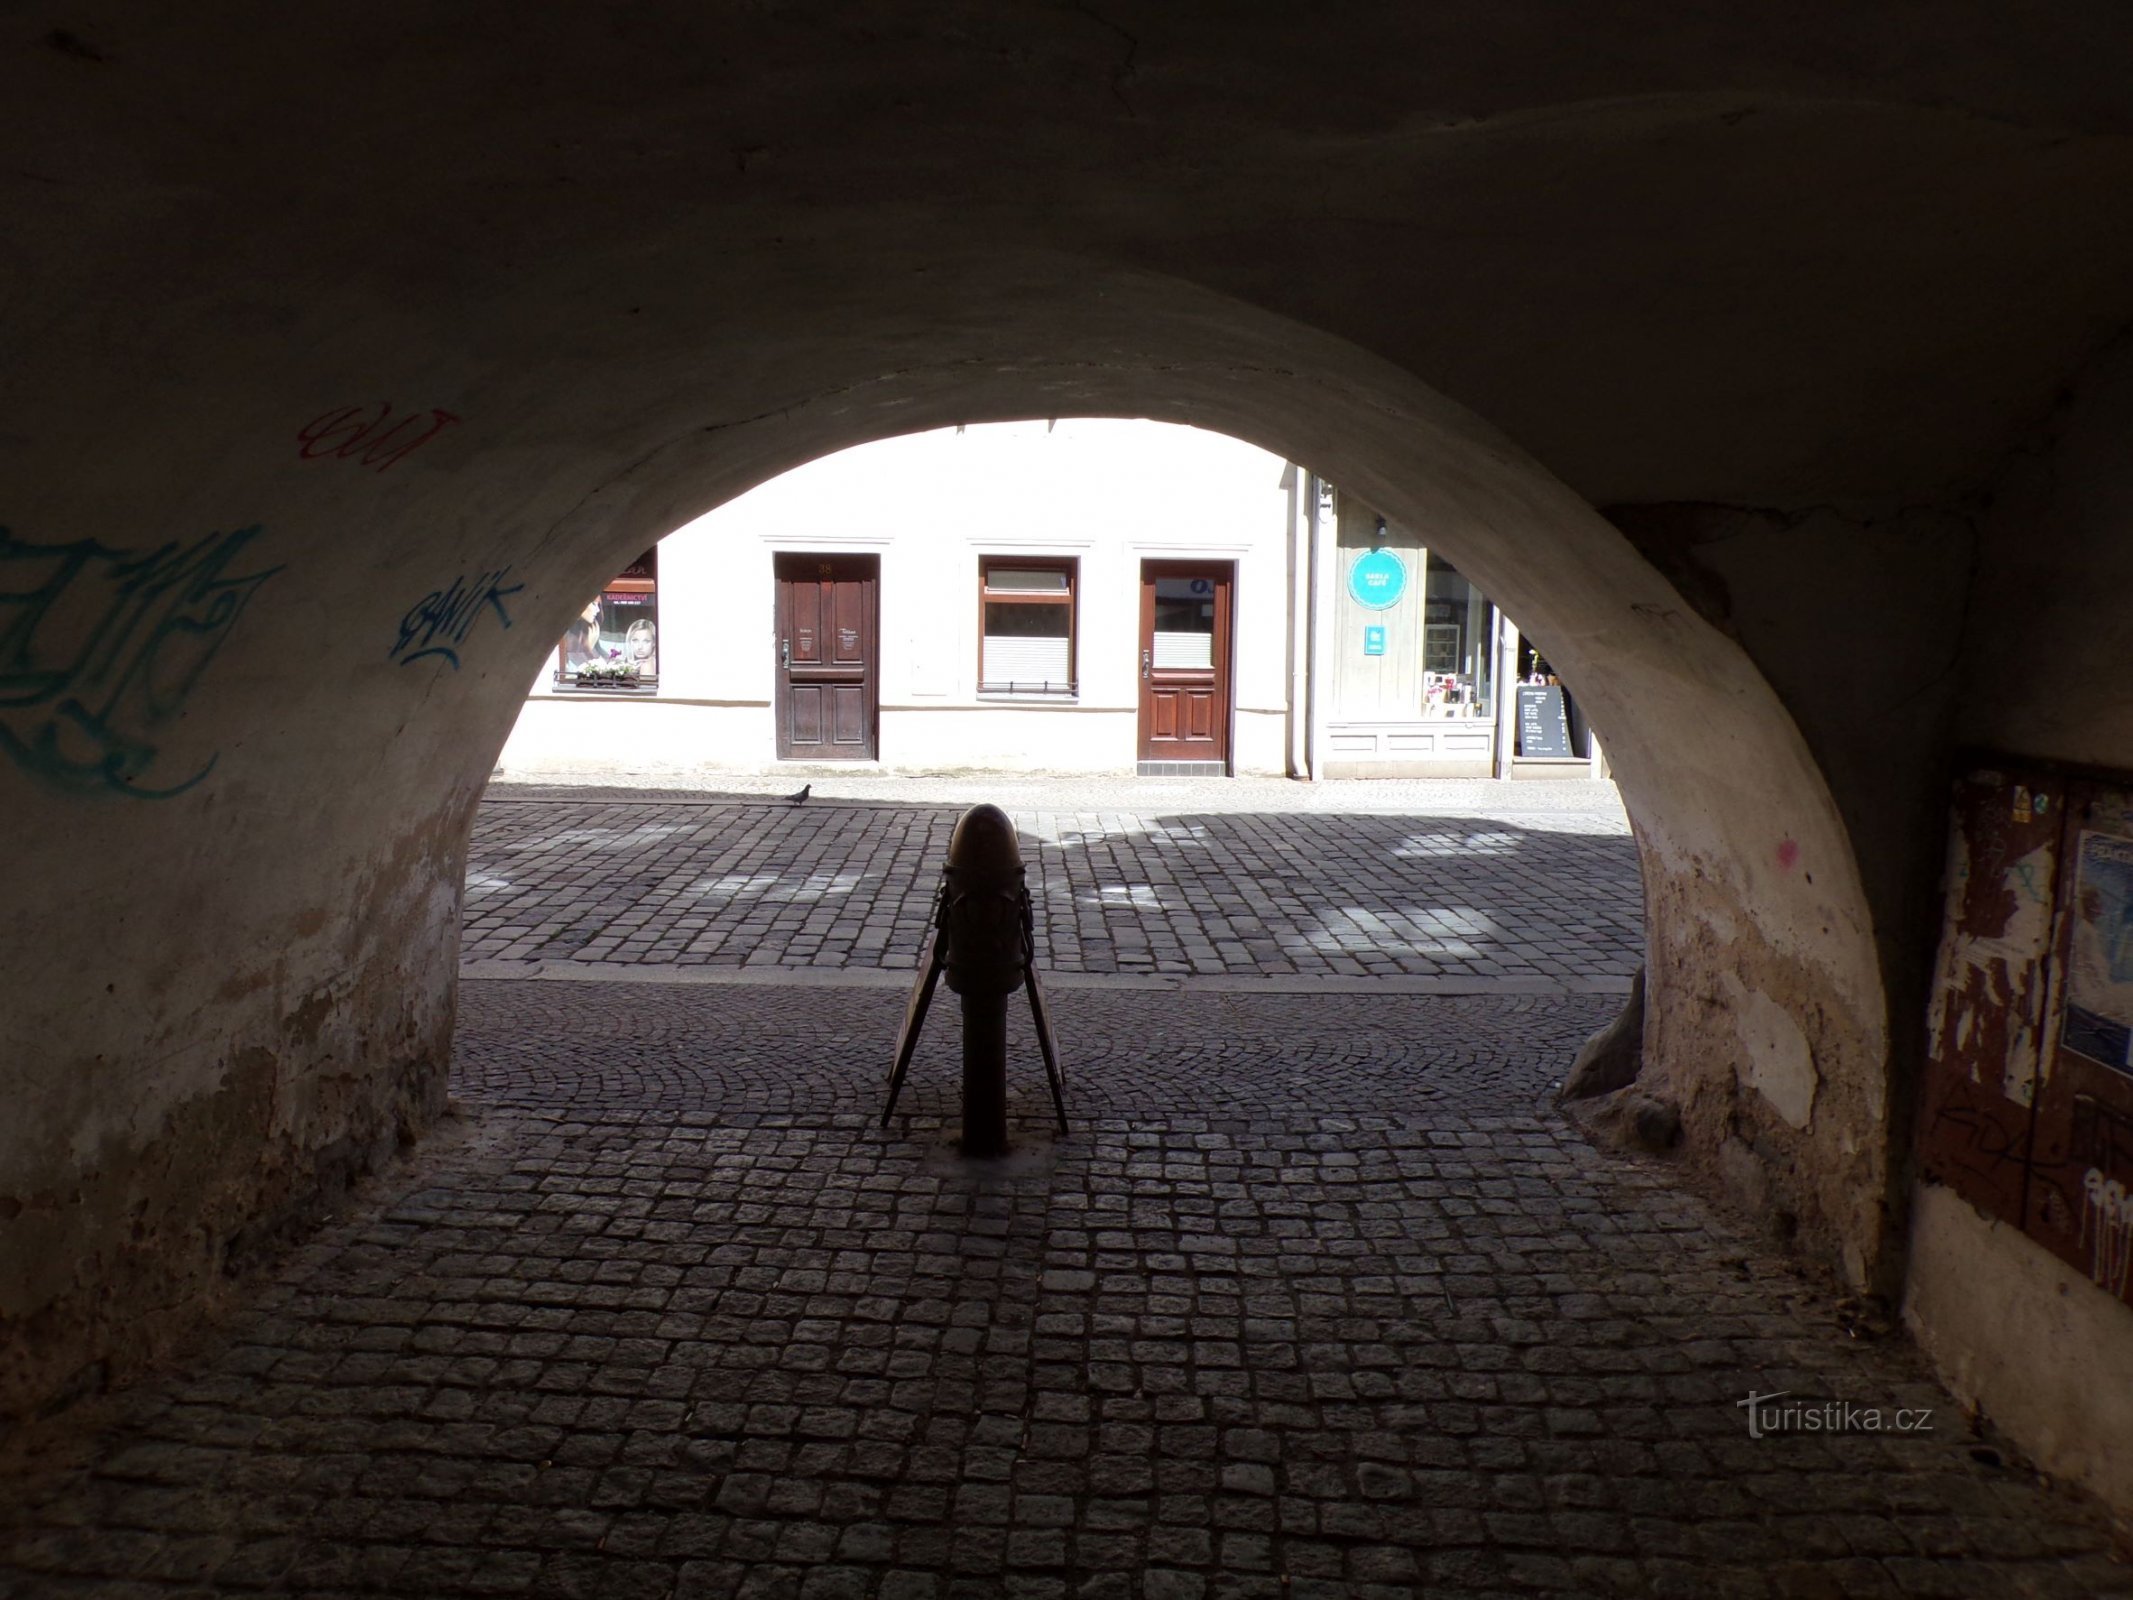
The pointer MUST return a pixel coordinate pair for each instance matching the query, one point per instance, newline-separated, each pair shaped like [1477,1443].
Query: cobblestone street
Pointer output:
[750,881]
[1319,1298]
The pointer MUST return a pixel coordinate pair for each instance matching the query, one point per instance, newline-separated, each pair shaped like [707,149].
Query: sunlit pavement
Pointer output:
[1533,884]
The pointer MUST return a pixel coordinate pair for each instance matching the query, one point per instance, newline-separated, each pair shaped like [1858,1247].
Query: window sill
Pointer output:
[607,690]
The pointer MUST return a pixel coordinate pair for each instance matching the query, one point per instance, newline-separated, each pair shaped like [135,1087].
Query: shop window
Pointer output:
[1026,627]
[614,643]
[1458,640]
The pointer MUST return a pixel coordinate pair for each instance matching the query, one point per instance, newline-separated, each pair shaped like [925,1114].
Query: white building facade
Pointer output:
[1087,596]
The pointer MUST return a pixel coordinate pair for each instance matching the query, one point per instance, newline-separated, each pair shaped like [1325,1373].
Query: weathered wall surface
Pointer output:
[2018,1333]
[1856,619]
[241,747]
[237,1046]
[2024,1339]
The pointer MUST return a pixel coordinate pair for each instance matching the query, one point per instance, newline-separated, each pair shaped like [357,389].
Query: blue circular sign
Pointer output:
[1377,580]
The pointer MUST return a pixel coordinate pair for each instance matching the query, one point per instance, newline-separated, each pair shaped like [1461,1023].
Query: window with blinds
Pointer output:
[1026,627]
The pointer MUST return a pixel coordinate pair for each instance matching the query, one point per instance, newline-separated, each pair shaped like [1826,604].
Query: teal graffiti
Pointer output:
[100,648]
[438,623]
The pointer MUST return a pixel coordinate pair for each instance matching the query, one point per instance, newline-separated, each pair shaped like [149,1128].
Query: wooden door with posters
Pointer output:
[828,643]
[1184,664]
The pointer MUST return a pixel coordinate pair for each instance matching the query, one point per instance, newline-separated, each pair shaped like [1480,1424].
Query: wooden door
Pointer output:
[827,643]
[1185,664]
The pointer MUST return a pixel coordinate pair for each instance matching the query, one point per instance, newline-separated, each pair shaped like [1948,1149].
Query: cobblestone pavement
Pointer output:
[1311,1303]
[1547,893]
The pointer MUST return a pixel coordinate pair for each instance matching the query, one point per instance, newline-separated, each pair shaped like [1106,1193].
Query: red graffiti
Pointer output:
[360,434]
[1789,854]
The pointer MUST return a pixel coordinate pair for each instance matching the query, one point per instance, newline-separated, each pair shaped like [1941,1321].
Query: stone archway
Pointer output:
[267,1008]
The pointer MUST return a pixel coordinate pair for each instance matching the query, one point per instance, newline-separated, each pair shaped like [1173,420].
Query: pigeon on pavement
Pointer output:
[795,799]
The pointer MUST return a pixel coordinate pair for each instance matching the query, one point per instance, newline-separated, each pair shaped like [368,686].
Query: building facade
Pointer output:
[1085,595]
[1410,670]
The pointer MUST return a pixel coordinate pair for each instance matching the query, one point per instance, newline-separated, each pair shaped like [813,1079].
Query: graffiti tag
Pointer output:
[2107,1206]
[438,623]
[1982,1144]
[2102,1135]
[359,434]
[100,648]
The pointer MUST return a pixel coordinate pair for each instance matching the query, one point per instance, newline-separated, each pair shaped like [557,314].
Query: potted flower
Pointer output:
[609,672]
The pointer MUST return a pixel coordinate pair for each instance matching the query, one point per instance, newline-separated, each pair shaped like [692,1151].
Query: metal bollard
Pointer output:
[981,925]
[984,942]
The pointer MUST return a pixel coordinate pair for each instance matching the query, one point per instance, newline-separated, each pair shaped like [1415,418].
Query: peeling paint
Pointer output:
[1987,996]
[1791,1122]
[1778,1062]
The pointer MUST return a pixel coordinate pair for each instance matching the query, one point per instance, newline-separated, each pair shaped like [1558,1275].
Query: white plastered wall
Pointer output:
[1106,493]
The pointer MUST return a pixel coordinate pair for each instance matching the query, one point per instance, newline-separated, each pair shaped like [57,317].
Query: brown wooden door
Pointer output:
[1184,663]
[828,641]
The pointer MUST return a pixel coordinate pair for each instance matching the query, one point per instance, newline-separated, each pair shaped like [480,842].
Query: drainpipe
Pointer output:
[1297,758]
[1315,665]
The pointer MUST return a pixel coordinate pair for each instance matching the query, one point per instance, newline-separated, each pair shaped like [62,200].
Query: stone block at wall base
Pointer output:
[2021,1336]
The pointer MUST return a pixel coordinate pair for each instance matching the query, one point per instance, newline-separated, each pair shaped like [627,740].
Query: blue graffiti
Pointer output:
[440,621]
[100,648]
[2025,875]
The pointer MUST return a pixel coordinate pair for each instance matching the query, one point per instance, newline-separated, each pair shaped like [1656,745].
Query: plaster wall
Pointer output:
[2018,1334]
[1106,493]
[235,1048]
[566,734]
[2044,654]
[2022,1337]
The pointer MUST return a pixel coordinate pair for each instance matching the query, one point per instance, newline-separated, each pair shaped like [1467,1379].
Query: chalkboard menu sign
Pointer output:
[1543,724]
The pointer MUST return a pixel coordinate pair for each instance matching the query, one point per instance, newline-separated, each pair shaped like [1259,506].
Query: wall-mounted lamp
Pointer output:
[1381,530]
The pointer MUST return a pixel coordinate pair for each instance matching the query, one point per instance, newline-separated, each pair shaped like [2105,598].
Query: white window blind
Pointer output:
[1185,651]
[1021,659]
